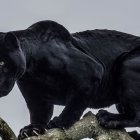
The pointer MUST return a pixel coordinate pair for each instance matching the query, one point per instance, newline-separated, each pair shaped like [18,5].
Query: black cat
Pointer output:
[93,69]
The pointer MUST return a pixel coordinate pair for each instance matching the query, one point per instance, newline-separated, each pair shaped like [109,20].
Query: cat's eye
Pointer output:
[2,63]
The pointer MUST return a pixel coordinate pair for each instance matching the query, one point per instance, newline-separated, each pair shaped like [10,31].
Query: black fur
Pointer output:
[93,69]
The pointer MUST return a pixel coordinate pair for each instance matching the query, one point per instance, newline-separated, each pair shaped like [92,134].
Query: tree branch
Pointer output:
[6,132]
[87,127]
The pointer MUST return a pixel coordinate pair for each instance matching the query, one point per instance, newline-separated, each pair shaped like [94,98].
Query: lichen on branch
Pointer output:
[87,127]
[6,132]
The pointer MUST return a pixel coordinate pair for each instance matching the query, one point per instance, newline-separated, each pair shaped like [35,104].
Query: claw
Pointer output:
[46,130]
[35,133]
[25,134]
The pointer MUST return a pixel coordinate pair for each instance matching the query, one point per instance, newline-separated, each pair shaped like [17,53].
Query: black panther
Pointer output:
[95,69]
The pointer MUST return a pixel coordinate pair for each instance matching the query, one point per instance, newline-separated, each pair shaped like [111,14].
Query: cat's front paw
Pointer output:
[31,130]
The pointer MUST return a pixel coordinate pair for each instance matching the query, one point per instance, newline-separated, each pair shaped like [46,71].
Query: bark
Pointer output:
[6,132]
[87,127]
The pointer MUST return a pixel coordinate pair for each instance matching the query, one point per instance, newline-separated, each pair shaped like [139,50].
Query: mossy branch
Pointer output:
[87,127]
[6,132]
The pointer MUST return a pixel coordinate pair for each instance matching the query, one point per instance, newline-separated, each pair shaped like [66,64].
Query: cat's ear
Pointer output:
[11,42]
